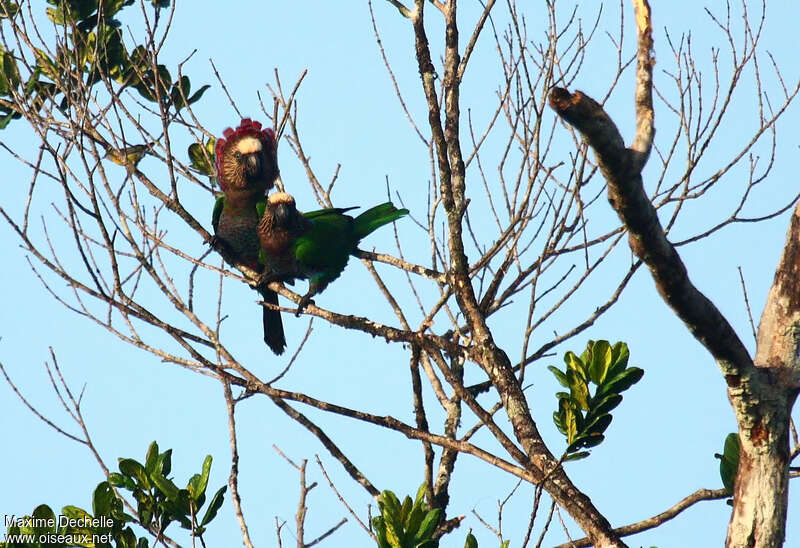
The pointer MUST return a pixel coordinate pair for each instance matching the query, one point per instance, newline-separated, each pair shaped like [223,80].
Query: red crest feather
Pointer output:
[246,127]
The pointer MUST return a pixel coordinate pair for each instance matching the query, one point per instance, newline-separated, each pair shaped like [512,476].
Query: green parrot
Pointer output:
[247,167]
[314,246]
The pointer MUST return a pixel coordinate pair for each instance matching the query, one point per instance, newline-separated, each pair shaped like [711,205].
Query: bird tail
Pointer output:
[376,217]
[273,324]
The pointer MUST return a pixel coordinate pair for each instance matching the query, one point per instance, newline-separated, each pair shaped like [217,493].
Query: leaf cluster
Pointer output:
[159,503]
[584,417]
[407,525]
[90,50]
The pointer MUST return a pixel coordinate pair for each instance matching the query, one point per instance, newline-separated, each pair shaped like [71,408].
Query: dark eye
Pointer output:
[238,156]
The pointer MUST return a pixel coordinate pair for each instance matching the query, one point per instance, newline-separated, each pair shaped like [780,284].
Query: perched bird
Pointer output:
[247,167]
[128,156]
[314,246]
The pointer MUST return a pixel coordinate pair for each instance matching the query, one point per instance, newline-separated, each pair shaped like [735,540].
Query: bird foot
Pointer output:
[304,302]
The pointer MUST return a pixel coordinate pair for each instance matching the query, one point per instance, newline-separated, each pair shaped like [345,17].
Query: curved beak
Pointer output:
[252,165]
[283,215]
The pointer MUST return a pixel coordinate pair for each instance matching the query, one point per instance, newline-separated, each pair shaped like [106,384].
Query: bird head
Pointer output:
[281,224]
[247,158]
[283,209]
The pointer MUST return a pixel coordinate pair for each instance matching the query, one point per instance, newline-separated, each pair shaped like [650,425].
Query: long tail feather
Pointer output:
[273,324]
[376,217]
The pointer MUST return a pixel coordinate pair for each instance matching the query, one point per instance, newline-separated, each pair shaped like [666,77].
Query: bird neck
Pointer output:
[242,200]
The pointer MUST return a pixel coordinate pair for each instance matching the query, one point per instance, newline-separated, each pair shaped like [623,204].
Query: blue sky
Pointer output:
[660,446]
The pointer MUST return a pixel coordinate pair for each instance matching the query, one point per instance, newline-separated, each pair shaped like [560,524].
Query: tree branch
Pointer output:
[655,521]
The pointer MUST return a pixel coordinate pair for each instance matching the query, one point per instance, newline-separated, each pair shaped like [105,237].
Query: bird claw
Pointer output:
[304,302]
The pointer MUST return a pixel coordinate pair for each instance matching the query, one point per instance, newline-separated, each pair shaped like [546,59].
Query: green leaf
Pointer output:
[573,420]
[180,92]
[600,361]
[574,363]
[181,508]
[45,520]
[197,94]
[127,539]
[197,485]
[118,480]
[9,75]
[558,419]
[111,7]
[73,512]
[201,159]
[560,376]
[6,119]
[211,147]
[598,425]
[428,524]
[576,456]
[33,82]
[619,359]
[391,505]
[585,440]
[146,85]
[471,542]
[579,390]
[419,499]
[164,78]
[151,458]
[166,486]
[196,155]
[414,518]
[380,532]
[605,405]
[81,529]
[133,469]
[623,381]
[214,505]
[106,503]
[405,508]
[393,534]
[164,464]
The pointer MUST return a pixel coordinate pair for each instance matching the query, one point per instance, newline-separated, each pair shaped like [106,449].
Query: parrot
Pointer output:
[314,246]
[247,167]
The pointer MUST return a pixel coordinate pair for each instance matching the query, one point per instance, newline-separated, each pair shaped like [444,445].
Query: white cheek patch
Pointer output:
[248,144]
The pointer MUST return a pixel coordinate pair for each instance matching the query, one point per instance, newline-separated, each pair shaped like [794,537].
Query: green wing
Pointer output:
[327,246]
[218,206]
[331,211]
